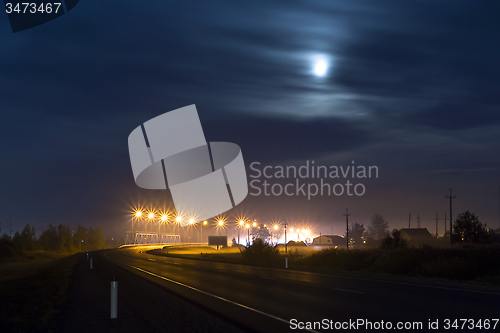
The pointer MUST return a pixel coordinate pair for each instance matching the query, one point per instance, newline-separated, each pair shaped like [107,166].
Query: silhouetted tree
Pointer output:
[378,228]
[356,233]
[393,241]
[261,232]
[468,229]
[259,250]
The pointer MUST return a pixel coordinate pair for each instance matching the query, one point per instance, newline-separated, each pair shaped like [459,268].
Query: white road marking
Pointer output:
[350,291]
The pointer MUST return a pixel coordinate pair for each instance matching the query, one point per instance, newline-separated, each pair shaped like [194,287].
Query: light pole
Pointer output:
[178,220]
[138,214]
[191,222]
[286,246]
[241,225]
[248,233]
[277,237]
[221,224]
[150,217]
[164,218]
[201,231]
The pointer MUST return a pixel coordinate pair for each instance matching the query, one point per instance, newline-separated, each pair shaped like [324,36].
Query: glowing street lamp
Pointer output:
[191,222]
[248,233]
[241,225]
[201,231]
[178,219]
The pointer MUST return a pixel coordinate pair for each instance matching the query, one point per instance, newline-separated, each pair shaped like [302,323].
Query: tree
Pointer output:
[260,250]
[356,233]
[394,242]
[261,232]
[378,228]
[468,229]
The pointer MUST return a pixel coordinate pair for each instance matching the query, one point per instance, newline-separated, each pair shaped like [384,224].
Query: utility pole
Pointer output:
[409,221]
[437,219]
[418,220]
[445,223]
[347,225]
[451,197]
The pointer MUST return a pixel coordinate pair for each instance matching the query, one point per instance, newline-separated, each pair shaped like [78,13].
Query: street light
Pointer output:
[164,218]
[178,219]
[277,237]
[151,216]
[191,221]
[221,224]
[241,225]
[248,233]
[201,231]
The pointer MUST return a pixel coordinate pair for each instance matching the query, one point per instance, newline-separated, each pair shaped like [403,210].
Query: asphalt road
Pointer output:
[267,300]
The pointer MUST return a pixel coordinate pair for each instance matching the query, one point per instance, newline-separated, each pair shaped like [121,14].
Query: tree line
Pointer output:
[58,239]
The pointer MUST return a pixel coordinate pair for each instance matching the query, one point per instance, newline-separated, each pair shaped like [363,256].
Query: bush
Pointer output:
[259,251]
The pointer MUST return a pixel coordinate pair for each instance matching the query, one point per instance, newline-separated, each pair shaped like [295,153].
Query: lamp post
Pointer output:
[241,225]
[178,220]
[248,233]
[191,222]
[221,224]
[277,237]
[164,218]
[201,231]
[151,216]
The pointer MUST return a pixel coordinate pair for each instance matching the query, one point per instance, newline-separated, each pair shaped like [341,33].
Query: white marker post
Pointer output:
[286,262]
[114,298]
[90,263]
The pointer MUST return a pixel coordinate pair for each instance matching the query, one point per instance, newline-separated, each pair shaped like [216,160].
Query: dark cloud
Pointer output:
[412,87]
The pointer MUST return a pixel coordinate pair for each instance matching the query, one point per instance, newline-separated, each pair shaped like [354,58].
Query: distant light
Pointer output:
[205,222]
[254,224]
[178,219]
[191,221]
[138,214]
[221,223]
[247,226]
[291,230]
[241,222]
[308,232]
[275,227]
[320,65]
[164,217]
[151,215]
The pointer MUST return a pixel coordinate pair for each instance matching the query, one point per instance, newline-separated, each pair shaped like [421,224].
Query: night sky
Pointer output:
[410,87]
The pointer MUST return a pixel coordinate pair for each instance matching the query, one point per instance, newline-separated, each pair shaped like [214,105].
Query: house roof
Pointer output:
[417,233]
[332,237]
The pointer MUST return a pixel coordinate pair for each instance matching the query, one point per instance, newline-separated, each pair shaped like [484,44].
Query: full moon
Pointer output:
[320,66]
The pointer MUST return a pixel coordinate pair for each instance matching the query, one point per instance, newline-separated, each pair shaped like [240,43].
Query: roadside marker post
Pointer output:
[90,263]
[286,262]
[114,298]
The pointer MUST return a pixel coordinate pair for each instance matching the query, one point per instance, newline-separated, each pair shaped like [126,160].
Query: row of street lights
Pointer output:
[241,223]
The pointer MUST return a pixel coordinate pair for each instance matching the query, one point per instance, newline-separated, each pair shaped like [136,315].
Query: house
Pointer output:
[331,240]
[417,236]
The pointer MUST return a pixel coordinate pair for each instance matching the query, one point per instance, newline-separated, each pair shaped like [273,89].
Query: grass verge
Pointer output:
[30,290]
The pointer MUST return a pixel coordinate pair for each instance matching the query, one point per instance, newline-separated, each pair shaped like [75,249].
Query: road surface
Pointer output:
[266,300]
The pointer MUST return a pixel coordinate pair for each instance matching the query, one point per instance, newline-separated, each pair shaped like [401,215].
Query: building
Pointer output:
[417,236]
[331,240]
